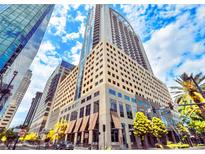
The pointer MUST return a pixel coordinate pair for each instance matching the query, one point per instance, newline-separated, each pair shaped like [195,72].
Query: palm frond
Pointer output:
[177,87]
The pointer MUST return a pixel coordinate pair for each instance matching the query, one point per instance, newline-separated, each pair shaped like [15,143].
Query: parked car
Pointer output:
[64,146]
[69,146]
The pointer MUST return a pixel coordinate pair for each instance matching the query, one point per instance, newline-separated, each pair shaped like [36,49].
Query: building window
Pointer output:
[114,133]
[96,94]
[96,106]
[119,95]
[127,98]
[67,117]
[87,110]
[121,110]
[81,112]
[112,92]
[89,98]
[82,101]
[129,111]
[134,100]
[74,115]
[113,105]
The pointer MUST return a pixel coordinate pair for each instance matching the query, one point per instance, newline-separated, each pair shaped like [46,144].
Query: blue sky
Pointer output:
[173,38]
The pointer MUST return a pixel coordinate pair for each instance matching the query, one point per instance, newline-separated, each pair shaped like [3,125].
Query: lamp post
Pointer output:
[198,103]
[6,90]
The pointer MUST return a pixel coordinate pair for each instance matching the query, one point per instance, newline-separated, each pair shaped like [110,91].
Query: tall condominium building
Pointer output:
[112,82]
[41,115]
[32,109]
[8,115]
[22,30]
[105,24]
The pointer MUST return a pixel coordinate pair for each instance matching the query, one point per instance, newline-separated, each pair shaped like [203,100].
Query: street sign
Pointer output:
[22,132]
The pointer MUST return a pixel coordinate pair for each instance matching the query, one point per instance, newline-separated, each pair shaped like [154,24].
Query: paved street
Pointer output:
[20,147]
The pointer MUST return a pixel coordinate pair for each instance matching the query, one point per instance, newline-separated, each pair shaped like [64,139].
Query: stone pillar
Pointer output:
[127,136]
[120,138]
[66,137]
[82,137]
[90,137]
[75,138]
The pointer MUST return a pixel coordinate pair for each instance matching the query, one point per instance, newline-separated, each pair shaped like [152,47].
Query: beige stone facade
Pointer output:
[112,89]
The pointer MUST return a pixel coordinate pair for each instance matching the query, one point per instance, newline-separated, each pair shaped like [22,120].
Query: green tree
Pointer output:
[2,132]
[187,92]
[198,126]
[184,132]
[158,128]
[142,126]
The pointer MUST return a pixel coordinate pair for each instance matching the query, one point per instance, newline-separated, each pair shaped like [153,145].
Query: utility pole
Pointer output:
[198,103]
[6,90]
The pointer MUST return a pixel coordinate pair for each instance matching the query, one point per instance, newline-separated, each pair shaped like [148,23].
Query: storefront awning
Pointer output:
[93,120]
[77,126]
[71,126]
[116,120]
[84,124]
[68,127]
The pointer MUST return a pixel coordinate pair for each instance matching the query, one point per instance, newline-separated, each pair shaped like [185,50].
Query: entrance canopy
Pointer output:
[77,126]
[71,126]
[93,121]
[116,120]
[84,123]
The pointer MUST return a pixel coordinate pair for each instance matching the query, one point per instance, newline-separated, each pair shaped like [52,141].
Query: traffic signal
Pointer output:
[171,106]
[153,109]
[103,128]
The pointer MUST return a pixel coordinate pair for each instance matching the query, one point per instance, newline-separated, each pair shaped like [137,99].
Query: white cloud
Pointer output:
[58,19]
[70,36]
[192,66]
[75,6]
[74,53]
[76,48]
[201,13]
[81,29]
[167,46]
[80,17]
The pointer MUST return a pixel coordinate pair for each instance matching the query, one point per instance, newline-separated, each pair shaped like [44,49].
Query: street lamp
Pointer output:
[5,91]
[192,94]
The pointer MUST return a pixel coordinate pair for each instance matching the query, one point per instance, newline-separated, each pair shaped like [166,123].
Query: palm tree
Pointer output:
[188,88]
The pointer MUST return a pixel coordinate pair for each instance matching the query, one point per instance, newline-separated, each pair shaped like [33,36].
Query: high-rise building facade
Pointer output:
[26,25]
[100,96]
[7,116]
[105,24]
[18,24]
[41,115]
[32,109]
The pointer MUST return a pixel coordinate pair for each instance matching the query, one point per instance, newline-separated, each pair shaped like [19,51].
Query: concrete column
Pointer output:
[82,137]
[127,133]
[66,137]
[90,138]
[75,138]
[120,138]
[104,119]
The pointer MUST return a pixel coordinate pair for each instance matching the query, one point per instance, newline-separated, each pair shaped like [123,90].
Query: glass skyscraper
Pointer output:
[21,32]
[18,24]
